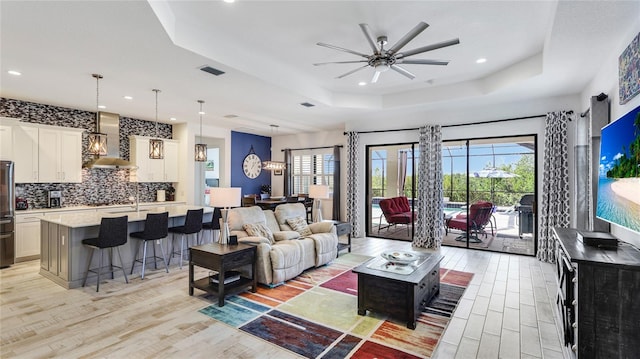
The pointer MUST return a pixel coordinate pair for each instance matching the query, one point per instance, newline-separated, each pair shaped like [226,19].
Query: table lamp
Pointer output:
[318,192]
[225,198]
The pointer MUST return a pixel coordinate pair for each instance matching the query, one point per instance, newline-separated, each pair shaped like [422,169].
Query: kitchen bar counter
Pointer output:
[145,205]
[63,257]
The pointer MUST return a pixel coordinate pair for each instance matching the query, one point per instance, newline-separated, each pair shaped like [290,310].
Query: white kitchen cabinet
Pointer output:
[171,161]
[27,237]
[47,154]
[152,170]
[25,148]
[6,138]
[59,156]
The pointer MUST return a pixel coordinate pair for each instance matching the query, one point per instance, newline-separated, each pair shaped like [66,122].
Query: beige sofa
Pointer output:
[289,254]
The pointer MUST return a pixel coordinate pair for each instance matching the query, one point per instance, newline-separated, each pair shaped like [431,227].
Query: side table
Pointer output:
[222,258]
[342,229]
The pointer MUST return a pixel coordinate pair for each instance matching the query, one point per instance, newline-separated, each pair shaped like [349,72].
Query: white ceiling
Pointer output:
[534,49]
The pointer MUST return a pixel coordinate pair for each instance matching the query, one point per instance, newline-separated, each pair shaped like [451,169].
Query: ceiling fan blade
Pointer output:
[370,39]
[408,37]
[422,62]
[340,62]
[352,71]
[376,75]
[342,49]
[428,48]
[402,71]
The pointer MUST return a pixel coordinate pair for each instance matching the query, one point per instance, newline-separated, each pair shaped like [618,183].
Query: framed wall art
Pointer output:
[629,71]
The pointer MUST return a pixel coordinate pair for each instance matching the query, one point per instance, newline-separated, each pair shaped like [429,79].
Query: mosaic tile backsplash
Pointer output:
[99,186]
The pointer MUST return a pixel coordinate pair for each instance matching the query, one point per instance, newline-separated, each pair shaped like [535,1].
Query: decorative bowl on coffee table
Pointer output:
[400,257]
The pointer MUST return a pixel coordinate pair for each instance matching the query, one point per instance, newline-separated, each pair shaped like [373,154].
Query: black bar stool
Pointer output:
[214,225]
[113,233]
[156,227]
[192,225]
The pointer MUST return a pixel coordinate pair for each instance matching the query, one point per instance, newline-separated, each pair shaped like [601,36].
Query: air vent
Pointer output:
[211,70]
[230,116]
[307,104]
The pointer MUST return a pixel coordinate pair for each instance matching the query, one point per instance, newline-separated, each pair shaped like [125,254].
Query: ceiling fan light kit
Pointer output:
[384,59]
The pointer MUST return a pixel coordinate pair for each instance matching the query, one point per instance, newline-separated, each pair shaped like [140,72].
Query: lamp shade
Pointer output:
[317,191]
[225,197]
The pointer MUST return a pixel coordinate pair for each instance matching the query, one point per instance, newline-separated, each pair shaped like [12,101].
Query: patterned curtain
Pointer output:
[353,217]
[430,220]
[336,183]
[555,183]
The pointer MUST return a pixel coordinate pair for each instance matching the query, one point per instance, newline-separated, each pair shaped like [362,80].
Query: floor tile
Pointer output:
[454,331]
[528,315]
[468,348]
[512,300]
[510,344]
[496,302]
[480,305]
[475,326]
[549,336]
[489,346]
[511,319]
[530,341]
[493,323]
[551,354]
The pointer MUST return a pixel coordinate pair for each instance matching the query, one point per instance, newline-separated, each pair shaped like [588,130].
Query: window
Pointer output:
[312,167]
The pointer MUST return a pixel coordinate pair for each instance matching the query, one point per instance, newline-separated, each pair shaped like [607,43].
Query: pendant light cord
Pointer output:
[201,102]
[156,91]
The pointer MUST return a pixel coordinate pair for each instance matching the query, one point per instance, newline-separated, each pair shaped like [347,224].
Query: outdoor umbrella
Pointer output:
[492,173]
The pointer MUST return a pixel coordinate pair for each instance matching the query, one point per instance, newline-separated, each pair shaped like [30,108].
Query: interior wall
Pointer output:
[606,81]
[241,144]
[187,134]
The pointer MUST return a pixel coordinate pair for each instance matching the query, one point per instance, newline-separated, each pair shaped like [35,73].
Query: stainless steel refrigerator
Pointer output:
[7,220]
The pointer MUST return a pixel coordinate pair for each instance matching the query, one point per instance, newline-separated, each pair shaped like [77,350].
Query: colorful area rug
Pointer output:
[315,315]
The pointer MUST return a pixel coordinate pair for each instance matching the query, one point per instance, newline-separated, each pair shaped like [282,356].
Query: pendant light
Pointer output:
[201,148]
[156,145]
[97,140]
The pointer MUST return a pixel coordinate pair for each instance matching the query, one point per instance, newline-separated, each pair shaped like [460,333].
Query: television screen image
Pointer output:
[619,172]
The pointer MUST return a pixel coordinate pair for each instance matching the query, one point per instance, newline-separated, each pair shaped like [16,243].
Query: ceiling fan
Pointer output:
[384,59]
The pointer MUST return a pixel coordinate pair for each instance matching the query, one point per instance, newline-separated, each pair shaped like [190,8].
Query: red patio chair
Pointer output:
[479,217]
[396,210]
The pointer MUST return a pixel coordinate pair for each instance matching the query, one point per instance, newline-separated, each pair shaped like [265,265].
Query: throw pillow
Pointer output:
[299,224]
[259,229]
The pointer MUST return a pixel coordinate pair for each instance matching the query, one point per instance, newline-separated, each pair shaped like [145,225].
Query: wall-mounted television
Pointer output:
[619,172]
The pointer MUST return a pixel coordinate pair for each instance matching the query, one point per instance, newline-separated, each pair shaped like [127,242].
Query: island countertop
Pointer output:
[93,218]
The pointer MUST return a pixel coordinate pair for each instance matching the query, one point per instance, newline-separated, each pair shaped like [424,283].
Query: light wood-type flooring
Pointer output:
[506,312]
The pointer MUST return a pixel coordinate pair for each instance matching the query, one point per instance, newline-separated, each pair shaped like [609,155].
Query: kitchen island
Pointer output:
[63,257]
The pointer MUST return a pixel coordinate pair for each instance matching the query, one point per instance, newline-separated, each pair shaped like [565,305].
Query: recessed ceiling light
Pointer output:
[229,1]
[14,73]
[230,116]
[128,97]
[201,113]
[102,106]
[362,83]
[481,60]
[172,119]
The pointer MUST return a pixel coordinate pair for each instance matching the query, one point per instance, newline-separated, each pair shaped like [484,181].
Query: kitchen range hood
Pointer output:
[109,124]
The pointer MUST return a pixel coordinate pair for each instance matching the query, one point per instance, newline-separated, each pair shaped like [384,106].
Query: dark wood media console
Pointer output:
[598,298]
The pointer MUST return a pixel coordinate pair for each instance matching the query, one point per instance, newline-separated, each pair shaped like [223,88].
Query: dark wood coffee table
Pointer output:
[400,296]
[222,258]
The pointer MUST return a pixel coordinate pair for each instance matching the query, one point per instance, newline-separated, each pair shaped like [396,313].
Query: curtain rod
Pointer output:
[462,124]
[308,148]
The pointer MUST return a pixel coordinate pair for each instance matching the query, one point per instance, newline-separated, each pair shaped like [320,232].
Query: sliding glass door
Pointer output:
[390,183]
[489,187]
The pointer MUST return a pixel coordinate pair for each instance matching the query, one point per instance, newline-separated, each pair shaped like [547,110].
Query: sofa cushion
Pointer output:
[285,235]
[286,211]
[238,217]
[299,224]
[259,229]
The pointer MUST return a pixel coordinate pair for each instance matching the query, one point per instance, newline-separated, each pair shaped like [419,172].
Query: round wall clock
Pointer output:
[252,165]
